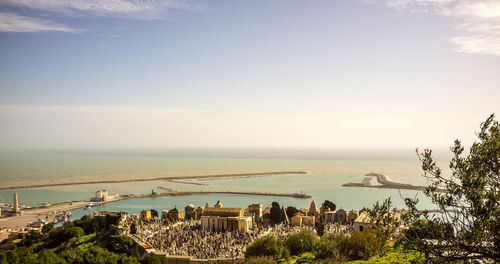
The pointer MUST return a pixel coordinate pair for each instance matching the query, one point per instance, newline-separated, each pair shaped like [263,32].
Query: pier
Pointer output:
[383,183]
[172,192]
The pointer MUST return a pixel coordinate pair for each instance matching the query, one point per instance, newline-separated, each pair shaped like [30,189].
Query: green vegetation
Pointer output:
[276,213]
[133,229]
[260,260]
[301,242]
[266,246]
[306,247]
[468,228]
[329,206]
[291,211]
[394,256]
[154,213]
[88,240]
[384,221]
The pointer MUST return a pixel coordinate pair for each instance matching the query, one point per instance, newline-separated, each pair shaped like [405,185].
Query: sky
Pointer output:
[347,74]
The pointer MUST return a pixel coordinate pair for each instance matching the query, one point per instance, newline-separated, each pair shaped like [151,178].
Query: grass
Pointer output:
[394,256]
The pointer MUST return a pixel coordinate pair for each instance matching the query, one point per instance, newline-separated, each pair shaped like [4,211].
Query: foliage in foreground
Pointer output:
[88,240]
[266,246]
[469,198]
[307,247]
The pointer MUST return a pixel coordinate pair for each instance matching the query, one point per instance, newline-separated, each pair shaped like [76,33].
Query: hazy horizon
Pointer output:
[238,74]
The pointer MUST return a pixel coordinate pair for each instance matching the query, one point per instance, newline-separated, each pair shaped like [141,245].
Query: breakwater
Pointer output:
[383,183]
[169,178]
[175,193]
[187,182]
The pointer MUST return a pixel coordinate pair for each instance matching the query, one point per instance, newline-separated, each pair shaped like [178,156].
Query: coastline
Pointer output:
[32,214]
[169,178]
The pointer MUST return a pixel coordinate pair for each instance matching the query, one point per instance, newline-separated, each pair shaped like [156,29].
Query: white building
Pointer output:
[225,219]
[101,196]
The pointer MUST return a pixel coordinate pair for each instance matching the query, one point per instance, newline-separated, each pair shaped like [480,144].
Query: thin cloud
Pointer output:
[10,22]
[138,9]
[479,29]
[17,15]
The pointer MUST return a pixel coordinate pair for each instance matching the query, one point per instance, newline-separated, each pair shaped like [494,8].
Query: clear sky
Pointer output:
[260,74]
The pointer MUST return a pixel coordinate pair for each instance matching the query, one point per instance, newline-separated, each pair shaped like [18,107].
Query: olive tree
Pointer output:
[468,225]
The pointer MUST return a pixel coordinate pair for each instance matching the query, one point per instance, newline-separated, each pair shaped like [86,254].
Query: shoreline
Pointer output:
[32,214]
[169,178]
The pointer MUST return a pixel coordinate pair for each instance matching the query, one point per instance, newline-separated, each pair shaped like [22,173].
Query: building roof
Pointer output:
[363,218]
[267,209]
[223,211]
[297,215]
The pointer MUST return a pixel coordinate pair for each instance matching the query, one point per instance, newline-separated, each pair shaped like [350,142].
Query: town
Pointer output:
[196,234]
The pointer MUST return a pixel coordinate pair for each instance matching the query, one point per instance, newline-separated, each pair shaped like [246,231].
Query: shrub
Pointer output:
[327,246]
[301,242]
[361,245]
[47,228]
[265,246]
[291,211]
[48,256]
[305,258]
[153,259]
[118,244]
[73,232]
[260,260]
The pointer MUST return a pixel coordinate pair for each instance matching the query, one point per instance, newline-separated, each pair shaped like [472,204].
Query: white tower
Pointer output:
[16,204]
[98,195]
[104,195]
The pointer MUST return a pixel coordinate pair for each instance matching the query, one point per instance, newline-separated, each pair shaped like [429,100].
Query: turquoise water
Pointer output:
[328,171]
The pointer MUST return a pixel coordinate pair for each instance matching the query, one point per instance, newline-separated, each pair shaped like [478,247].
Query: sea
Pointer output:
[327,171]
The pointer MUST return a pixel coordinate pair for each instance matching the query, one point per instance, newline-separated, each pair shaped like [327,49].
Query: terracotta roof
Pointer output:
[299,215]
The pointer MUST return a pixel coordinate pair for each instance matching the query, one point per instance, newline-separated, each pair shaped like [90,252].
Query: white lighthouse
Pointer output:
[16,204]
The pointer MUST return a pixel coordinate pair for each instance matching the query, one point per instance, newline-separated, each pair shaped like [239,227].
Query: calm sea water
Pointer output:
[328,171]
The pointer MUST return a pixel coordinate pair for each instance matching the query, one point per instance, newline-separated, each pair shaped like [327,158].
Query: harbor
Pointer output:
[60,212]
